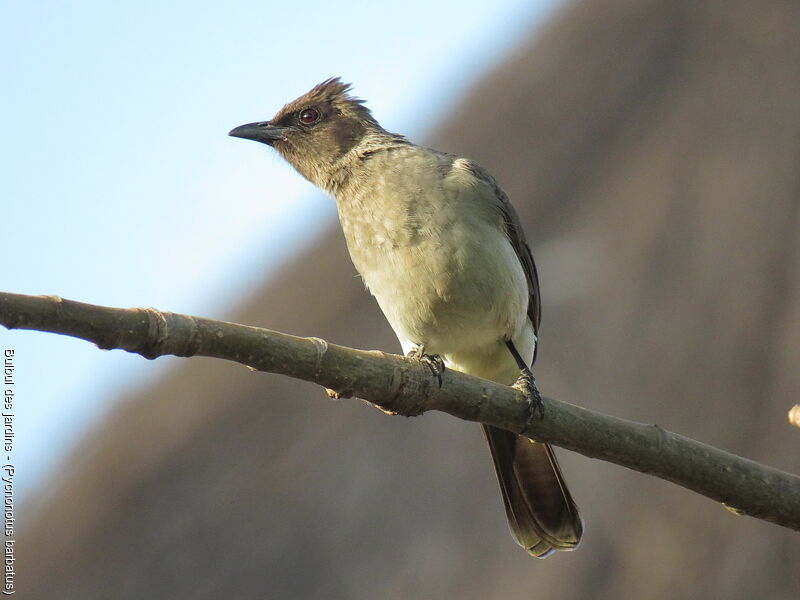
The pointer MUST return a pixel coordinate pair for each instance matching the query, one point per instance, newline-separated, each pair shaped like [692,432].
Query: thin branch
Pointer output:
[405,386]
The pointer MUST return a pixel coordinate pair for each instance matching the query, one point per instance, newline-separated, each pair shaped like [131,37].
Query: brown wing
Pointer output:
[540,510]
[517,238]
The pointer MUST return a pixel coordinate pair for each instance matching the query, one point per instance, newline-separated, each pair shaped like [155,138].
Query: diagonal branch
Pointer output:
[404,386]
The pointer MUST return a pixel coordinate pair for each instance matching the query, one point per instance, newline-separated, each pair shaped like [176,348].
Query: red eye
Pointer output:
[308,116]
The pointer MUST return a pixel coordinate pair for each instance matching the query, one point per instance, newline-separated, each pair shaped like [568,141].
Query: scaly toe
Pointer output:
[527,385]
[433,361]
[435,364]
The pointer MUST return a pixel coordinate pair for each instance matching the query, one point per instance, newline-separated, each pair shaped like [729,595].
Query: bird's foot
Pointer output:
[526,384]
[433,361]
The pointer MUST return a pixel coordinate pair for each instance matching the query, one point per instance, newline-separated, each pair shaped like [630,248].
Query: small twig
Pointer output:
[794,415]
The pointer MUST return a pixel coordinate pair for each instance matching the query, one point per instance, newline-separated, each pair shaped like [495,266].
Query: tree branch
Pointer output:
[404,386]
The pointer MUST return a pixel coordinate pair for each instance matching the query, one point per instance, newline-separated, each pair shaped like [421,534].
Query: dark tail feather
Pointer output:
[540,510]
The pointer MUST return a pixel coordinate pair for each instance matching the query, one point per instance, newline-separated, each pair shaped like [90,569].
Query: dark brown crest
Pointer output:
[333,92]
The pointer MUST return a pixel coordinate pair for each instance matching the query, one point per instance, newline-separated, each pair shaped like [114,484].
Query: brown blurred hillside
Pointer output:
[652,148]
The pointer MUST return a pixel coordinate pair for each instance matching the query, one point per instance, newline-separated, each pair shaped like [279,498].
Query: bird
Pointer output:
[439,245]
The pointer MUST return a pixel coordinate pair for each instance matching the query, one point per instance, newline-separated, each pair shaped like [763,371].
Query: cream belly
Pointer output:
[437,258]
[463,314]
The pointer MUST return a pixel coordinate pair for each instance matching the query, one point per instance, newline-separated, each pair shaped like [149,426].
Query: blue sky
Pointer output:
[121,187]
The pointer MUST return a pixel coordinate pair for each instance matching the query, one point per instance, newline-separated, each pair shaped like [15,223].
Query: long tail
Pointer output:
[540,510]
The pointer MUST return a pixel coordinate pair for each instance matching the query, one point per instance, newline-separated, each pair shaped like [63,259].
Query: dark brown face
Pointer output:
[312,136]
[317,133]
[316,130]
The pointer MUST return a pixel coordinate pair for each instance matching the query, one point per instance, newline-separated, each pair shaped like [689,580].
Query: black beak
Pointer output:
[260,132]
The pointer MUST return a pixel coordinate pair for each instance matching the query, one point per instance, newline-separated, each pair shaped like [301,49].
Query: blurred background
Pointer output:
[651,149]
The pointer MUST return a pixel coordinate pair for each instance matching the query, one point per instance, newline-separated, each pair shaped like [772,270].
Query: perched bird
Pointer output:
[439,245]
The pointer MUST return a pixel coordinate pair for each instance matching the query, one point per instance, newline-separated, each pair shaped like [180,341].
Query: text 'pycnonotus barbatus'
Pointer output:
[439,245]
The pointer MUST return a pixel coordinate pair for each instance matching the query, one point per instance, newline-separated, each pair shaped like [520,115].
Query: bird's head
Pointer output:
[315,130]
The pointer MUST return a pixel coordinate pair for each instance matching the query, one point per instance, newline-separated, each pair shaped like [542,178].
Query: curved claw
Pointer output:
[433,361]
[526,384]
[435,364]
